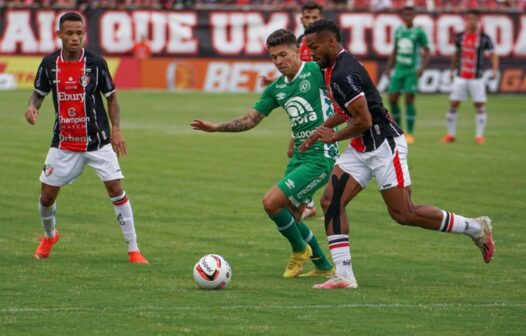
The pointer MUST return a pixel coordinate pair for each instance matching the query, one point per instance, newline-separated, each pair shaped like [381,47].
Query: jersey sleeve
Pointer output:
[42,83]
[488,44]
[267,101]
[422,39]
[347,89]
[106,85]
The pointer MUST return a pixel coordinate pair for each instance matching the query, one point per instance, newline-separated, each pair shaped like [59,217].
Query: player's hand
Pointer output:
[309,142]
[31,114]
[117,142]
[203,125]
[493,75]
[326,135]
[265,81]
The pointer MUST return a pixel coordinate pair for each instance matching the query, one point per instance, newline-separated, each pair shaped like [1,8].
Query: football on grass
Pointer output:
[212,272]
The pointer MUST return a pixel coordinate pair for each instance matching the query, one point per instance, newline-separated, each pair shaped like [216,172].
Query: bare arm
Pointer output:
[454,60]
[35,101]
[239,124]
[390,62]
[117,140]
[360,122]
[290,150]
[494,64]
[334,120]
[425,60]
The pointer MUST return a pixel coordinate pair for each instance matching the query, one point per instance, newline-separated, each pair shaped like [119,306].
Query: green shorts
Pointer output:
[304,175]
[403,81]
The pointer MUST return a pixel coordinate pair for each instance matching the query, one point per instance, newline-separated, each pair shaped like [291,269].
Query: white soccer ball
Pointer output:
[212,272]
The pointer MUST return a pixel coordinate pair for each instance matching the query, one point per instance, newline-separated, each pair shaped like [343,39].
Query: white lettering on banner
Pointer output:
[18,30]
[46,27]
[357,25]
[236,76]
[427,24]
[258,30]
[497,27]
[439,81]
[520,45]
[446,26]
[383,28]
[70,96]
[181,33]
[116,32]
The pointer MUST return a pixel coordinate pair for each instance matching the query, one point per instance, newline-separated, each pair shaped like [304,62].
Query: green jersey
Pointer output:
[305,100]
[408,43]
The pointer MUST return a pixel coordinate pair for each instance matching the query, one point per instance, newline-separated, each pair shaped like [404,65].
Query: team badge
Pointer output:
[84,80]
[304,85]
[47,169]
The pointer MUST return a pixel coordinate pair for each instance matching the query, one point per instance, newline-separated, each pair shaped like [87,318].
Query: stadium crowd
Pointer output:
[383,5]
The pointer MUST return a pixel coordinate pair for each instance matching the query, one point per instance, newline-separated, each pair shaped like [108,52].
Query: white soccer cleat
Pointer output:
[485,240]
[337,281]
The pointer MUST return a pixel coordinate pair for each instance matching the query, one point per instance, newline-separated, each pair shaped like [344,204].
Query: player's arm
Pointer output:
[290,150]
[114,111]
[239,124]
[35,101]
[454,61]
[425,60]
[390,62]
[494,64]
[360,122]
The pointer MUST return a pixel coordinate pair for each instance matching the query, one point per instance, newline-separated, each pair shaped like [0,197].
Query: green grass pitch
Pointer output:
[195,193]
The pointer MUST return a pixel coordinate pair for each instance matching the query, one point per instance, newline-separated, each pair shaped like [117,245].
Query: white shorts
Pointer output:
[388,163]
[63,167]
[461,88]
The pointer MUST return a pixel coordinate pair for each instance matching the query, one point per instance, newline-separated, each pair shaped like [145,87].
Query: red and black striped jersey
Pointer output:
[81,121]
[471,49]
[346,81]
[305,54]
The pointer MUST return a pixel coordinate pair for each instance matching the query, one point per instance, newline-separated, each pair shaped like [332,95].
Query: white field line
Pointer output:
[269,307]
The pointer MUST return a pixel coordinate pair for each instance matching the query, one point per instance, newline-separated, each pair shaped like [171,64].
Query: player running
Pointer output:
[378,149]
[81,135]
[300,91]
[467,64]
[408,67]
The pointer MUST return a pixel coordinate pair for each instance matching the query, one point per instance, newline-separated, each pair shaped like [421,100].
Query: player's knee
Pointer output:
[325,202]
[114,188]
[47,200]
[270,205]
[407,217]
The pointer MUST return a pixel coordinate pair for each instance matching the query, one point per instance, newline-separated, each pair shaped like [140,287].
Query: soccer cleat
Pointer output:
[136,257]
[308,212]
[409,138]
[296,262]
[485,240]
[337,281]
[448,138]
[316,272]
[479,139]
[44,249]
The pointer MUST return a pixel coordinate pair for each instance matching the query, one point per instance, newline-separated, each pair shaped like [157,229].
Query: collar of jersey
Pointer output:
[297,74]
[63,60]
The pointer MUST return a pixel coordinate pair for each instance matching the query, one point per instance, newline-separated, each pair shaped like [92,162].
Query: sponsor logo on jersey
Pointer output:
[305,75]
[70,138]
[72,111]
[290,184]
[71,96]
[281,95]
[64,120]
[70,80]
[281,86]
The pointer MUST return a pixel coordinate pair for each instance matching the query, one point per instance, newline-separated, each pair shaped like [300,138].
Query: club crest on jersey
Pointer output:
[304,85]
[72,111]
[84,80]
[47,169]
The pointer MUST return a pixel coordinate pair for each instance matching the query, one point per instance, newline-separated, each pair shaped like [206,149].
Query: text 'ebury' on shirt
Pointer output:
[81,121]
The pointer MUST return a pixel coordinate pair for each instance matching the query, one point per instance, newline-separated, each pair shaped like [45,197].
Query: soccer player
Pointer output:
[467,63]
[378,149]
[409,42]
[301,92]
[81,135]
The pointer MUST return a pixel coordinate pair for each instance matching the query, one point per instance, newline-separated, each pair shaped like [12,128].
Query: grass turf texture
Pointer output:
[195,193]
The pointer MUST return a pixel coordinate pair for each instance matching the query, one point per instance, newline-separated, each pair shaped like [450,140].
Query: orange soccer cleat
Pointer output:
[479,139]
[44,249]
[136,257]
[448,138]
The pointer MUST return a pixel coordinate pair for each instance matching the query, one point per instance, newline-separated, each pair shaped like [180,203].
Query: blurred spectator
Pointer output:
[141,49]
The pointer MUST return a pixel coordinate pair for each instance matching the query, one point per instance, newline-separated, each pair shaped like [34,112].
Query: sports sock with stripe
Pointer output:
[481,118]
[124,213]
[459,224]
[451,118]
[288,228]
[47,214]
[395,113]
[318,257]
[410,116]
[341,255]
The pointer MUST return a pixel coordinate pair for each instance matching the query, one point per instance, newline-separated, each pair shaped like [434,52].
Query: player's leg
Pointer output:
[60,168]
[309,210]
[394,95]
[410,88]
[459,92]
[104,162]
[397,197]
[276,204]
[478,93]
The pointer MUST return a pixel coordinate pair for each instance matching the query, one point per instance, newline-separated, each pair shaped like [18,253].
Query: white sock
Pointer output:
[47,214]
[452,117]
[458,224]
[341,255]
[481,118]
[124,213]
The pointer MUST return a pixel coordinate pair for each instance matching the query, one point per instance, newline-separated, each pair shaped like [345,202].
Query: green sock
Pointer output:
[288,228]
[410,117]
[318,257]
[395,113]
